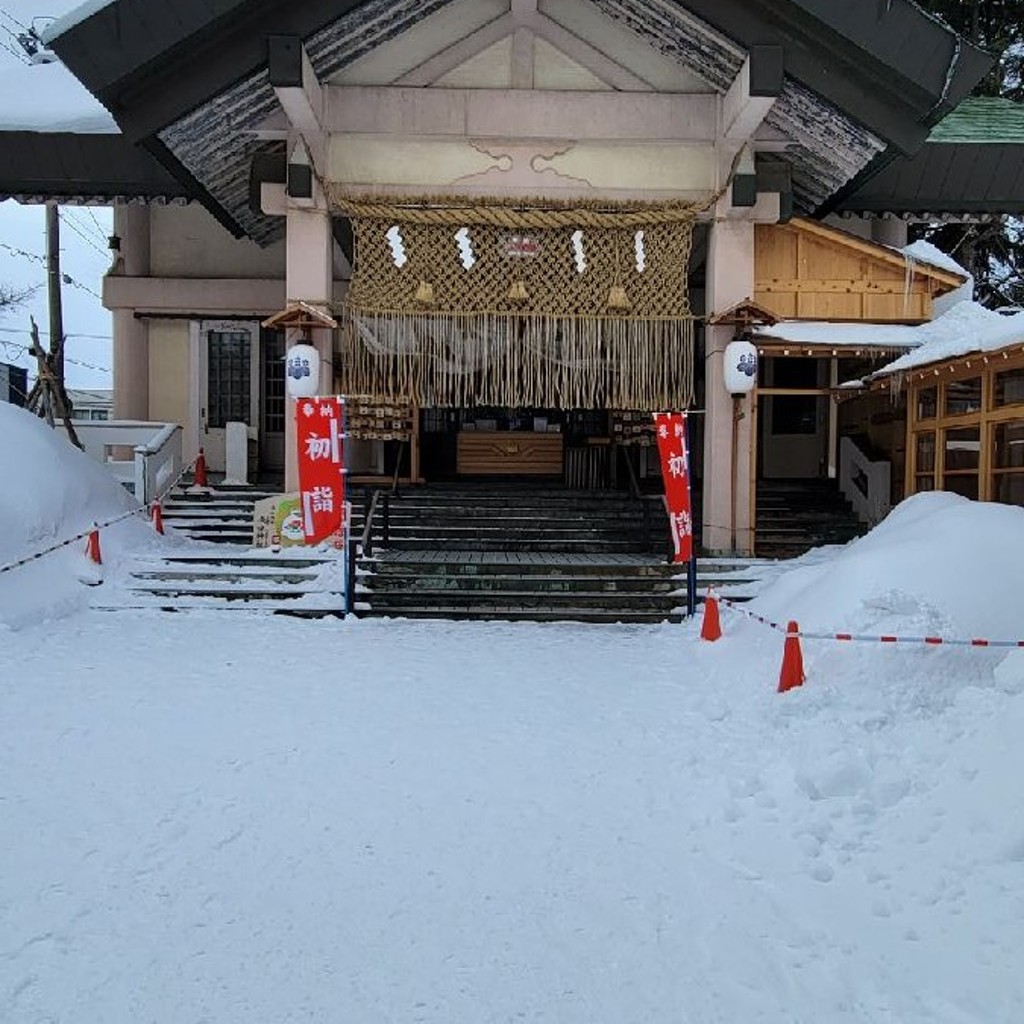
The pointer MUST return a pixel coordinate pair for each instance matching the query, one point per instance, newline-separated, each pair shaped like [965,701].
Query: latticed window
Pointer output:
[273,381]
[229,384]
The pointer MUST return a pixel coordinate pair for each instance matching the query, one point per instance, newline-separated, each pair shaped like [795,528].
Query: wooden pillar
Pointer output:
[309,277]
[730,279]
[833,419]
[131,335]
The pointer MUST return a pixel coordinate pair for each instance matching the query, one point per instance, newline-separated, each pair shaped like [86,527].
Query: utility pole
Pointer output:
[53,284]
[48,397]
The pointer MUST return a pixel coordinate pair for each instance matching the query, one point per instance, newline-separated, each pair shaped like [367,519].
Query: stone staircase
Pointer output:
[794,516]
[537,554]
[538,587]
[442,552]
[219,515]
[223,571]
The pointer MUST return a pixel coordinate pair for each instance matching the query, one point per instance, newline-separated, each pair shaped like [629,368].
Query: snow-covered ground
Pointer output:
[241,818]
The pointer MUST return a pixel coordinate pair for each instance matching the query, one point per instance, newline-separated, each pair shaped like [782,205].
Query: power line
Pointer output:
[17,50]
[72,334]
[41,260]
[16,53]
[99,233]
[85,238]
[21,252]
[104,234]
[11,18]
[8,345]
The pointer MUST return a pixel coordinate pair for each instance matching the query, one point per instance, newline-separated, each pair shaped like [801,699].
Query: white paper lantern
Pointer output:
[302,371]
[740,367]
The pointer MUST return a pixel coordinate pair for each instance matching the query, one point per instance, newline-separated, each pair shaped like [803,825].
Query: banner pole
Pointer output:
[349,565]
[691,568]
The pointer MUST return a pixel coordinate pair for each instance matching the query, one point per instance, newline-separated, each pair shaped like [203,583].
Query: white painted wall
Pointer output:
[186,241]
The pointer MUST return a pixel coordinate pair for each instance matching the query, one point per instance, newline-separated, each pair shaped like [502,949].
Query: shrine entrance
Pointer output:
[517,349]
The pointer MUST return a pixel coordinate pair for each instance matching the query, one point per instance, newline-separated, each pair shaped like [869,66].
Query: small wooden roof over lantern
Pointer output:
[743,316]
[301,316]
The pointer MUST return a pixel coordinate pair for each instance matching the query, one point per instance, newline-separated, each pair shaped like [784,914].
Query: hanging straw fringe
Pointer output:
[458,360]
[461,302]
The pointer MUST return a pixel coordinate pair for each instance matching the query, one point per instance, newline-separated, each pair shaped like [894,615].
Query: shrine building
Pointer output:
[514,229]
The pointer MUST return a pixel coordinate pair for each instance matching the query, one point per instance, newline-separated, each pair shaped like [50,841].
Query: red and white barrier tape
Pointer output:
[143,510]
[71,540]
[931,641]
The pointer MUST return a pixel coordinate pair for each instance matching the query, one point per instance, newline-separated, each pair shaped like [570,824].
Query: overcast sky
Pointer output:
[84,254]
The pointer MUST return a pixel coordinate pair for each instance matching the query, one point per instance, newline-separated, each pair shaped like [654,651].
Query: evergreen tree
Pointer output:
[992,250]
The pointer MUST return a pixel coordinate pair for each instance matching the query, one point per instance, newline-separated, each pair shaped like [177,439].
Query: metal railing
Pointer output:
[866,483]
[363,546]
[158,464]
[156,450]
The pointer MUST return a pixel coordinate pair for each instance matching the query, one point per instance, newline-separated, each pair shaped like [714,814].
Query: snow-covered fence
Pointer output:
[156,450]
[158,463]
[865,483]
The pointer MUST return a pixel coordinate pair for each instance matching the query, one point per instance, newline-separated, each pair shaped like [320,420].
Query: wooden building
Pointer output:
[965,412]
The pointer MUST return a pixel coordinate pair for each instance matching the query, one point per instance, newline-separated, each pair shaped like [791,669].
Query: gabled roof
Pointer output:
[941,279]
[991,119]
[178,74]
[972,163]
[72,166]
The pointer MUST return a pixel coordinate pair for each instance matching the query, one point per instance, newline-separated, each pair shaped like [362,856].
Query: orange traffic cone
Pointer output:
[92,547]
[200,470]
[792,674]
[711,627]
[158,517]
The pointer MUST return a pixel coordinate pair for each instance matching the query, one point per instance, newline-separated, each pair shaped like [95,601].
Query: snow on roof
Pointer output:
[924,252]
[964,329]
[859,335]
[957,328]
[48,98]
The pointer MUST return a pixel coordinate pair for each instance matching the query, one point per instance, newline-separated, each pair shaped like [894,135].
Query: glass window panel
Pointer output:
[1008,442]
[925,453]
[965,484]
[924,483]
[1009,488]
[963,448]
[228,378]
[273,349]
[927,403]
[1009,388]
[963,396]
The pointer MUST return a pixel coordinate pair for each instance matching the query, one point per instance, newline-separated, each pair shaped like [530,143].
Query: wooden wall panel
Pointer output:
[806,270]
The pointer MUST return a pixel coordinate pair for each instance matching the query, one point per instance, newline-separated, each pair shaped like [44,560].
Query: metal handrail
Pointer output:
[366,541]
[397,473]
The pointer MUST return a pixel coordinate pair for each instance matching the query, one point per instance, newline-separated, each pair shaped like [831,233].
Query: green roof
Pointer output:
[982,119]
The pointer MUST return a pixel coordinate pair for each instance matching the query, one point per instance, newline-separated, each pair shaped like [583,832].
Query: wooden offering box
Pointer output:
[509,453]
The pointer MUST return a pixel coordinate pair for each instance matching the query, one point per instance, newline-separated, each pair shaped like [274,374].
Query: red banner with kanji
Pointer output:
[670,429]
[320,423]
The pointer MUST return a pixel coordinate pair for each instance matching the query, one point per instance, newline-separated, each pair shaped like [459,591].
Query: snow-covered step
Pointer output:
[328,605]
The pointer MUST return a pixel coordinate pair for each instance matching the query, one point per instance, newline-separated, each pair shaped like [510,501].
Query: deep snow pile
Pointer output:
[51,492]
[231,817]
[938,564]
